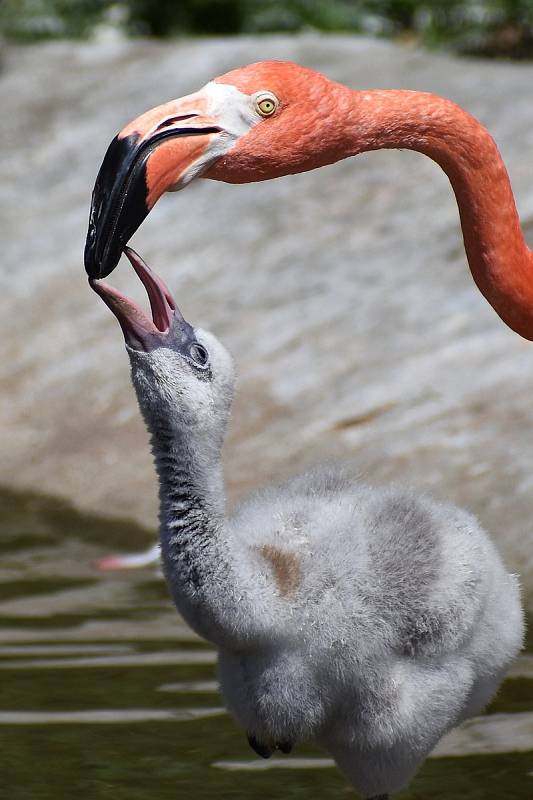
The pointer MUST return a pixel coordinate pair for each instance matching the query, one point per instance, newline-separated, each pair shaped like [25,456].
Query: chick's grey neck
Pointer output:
[191,490]
[192,524]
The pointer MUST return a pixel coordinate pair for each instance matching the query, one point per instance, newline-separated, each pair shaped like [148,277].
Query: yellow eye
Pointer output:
[266,105]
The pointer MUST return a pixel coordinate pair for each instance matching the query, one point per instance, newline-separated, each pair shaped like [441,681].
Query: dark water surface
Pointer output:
[104,693]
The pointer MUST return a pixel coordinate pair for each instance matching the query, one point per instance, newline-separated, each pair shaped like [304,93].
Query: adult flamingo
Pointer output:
[277,118]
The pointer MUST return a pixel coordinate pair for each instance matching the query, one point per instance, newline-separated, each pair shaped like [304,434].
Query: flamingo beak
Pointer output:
[163,149]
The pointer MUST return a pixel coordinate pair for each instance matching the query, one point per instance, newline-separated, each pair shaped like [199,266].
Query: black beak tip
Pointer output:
[118,204]
[98,265]
[92,267]
[97,268]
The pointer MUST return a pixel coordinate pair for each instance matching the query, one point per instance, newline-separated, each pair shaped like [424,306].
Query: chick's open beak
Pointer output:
[141,332]
[165,148]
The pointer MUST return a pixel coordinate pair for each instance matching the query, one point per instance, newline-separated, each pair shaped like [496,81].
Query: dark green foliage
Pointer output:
[296,15]
[487,27]
[41,19]
[168,17]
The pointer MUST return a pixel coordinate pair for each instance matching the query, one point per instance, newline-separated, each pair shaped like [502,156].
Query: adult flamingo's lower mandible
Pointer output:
[277,118]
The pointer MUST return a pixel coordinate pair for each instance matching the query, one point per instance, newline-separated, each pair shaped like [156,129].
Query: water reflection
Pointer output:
[208,687]
[276,763]
[135,660]
[105,693]
[106,716]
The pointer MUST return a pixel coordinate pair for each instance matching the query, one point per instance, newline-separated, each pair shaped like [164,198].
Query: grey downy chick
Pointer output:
[370,621]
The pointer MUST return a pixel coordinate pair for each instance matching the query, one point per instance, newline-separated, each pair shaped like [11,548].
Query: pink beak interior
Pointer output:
[140,332]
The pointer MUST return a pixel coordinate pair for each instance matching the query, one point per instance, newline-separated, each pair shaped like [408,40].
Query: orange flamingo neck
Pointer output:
[499,258]
[321,122]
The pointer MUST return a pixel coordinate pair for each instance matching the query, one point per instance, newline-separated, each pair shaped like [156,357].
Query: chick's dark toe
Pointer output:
[263,750]
[285,747]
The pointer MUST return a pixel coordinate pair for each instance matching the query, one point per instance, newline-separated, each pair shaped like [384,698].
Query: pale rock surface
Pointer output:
[344,293]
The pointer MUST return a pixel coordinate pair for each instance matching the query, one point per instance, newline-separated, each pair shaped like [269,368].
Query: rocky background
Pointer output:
[344,294]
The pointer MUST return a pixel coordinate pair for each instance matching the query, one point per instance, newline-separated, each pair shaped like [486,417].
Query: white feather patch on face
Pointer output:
[234,112]
[233,108]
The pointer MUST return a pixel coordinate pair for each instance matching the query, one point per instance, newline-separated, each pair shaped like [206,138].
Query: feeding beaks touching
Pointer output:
[162,150]
[166,328]
[235,129]
[183,376]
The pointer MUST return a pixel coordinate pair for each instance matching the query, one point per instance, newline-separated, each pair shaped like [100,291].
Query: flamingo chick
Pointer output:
[370,621]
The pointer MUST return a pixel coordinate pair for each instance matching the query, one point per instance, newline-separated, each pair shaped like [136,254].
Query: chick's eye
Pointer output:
[266,104]
[199,354]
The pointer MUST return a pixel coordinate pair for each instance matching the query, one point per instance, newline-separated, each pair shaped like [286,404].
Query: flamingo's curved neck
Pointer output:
[500,261]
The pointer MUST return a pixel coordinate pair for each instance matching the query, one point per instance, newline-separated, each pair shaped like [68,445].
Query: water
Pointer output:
[104,692]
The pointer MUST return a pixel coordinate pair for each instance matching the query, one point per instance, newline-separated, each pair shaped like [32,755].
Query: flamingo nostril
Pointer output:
[171,120]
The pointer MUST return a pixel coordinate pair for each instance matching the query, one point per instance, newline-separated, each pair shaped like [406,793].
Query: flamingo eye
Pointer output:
[199,354]
[266,104]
